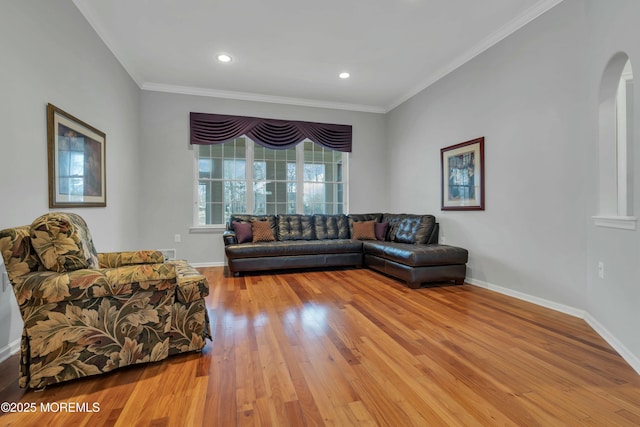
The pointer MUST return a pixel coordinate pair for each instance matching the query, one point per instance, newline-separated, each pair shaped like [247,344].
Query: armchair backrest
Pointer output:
[63,242]
[57,241]
[18,254]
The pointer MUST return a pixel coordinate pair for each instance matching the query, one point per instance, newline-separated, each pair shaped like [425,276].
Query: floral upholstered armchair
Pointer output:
[87,313]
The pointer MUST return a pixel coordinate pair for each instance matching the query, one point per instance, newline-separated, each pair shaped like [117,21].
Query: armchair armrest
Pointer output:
[192,285]
[119,259]
[229,237]
[44,287]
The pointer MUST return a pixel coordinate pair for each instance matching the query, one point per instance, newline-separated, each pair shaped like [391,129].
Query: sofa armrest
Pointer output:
[44,287]
[119,259]
[229,238]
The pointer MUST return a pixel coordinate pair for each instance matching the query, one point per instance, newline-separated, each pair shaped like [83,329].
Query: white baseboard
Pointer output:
[208,264]
[529,298]
[623,351]
[627,355]
[9,350]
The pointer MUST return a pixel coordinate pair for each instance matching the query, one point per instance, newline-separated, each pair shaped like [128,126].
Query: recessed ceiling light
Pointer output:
[344,75]
[224,58]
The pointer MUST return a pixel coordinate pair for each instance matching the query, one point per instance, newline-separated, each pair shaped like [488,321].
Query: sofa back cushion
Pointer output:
[295,227]
[406,228]
[63,242]
[331,226]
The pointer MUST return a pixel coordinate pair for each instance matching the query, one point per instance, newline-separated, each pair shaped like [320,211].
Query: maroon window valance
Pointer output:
[209,129]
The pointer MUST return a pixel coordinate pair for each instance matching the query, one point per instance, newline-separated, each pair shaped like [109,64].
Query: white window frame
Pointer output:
[249,158]
[615,171]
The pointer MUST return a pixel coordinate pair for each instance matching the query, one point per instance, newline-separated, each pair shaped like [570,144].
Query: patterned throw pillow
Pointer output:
[262,231]
[63,242]
[243,231]
[364,230]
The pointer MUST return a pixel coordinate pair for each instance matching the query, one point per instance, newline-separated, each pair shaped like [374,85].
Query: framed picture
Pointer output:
[463,176]
[76,151]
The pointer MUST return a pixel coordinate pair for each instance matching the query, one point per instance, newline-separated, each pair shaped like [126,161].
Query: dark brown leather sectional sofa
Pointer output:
[409,250]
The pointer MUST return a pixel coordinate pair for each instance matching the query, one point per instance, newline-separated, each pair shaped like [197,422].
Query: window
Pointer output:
[240,176]
[71,166]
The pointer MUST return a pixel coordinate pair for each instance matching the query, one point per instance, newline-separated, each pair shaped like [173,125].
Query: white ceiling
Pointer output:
[291,51]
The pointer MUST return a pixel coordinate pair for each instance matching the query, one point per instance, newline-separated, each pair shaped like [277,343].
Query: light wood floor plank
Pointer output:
[351,347]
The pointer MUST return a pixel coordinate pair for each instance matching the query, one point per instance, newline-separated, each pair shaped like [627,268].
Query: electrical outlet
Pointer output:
[176,238]
[601,269]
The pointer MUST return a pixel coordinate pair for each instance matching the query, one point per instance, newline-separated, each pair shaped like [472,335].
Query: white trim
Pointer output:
[502,33]
[203,229]
[571,311]
[9,350]
[208,264]
[619,222]
[623,351]
[256,97]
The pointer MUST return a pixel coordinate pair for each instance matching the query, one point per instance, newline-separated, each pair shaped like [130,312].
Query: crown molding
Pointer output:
[502,33]
[247,96]
[508,29]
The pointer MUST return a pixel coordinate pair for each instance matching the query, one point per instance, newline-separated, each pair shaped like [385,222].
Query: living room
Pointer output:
[534,96]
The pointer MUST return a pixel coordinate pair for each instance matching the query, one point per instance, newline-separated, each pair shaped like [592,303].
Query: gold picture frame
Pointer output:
[76,155]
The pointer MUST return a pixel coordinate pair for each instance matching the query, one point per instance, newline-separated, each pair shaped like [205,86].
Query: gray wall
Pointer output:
[50,54]
[613,302]
[533,97]
[167,202]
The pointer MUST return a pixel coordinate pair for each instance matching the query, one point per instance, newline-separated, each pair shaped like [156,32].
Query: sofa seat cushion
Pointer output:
[417,255]
[293,248]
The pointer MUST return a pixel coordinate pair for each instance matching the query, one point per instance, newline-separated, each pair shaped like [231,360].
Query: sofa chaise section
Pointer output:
[417,264]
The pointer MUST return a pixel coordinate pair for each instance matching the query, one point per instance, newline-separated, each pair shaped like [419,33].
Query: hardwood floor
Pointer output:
[352,347]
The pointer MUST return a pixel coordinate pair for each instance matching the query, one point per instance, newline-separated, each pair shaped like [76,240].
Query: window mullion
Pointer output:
[300,178]
[249,155]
